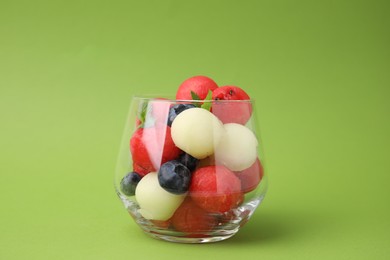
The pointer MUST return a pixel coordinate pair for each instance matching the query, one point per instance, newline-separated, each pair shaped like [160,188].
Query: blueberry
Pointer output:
[189,161]
[177,109]
[174,177]
[129,183]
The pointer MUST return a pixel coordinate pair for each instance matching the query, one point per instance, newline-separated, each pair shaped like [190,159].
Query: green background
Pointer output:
[319,71]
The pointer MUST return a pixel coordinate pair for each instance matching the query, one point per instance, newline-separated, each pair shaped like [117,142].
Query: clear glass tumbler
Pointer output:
[190,171]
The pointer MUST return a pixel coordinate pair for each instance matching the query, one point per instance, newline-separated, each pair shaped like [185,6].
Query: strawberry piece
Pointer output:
[251,176]
[215,189]
[232,112]
[151,147]
[200,85]
[191,219]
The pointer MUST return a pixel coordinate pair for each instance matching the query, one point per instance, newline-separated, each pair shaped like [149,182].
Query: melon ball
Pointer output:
[238,147]
[155,202]
[197,132]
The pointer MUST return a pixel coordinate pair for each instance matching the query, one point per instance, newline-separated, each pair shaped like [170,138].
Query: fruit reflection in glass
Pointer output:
[191,171]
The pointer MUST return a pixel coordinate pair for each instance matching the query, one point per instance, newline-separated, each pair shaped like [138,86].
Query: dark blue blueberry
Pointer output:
[177,109]
[174,177]
[129,183]
[188,161]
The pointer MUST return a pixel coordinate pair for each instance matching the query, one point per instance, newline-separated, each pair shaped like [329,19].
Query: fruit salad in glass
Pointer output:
[190,169]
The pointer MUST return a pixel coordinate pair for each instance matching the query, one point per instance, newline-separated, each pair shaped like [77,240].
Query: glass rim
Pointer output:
[162,98]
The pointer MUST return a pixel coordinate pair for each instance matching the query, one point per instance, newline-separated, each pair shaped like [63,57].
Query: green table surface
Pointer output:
[318,70]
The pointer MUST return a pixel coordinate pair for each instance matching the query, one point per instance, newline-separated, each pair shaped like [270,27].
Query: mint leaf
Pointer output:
[207,105]
[144,115]
[195,96]
[141,113]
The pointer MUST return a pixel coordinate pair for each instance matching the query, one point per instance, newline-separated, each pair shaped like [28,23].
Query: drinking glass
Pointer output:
[190,171]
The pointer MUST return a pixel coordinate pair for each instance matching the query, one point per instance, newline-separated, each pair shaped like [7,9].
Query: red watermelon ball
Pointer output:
[200,85]
[151,147]
[251,176]
[190,218]
[215,189]
[238,111]
[141,170]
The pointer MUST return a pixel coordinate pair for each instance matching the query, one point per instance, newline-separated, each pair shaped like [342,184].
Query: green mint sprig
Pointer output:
[195,96]
[205,105]
[145,116]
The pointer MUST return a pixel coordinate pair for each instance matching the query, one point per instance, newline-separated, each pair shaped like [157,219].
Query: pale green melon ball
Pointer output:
[238,147]
[197,132]
[155,202]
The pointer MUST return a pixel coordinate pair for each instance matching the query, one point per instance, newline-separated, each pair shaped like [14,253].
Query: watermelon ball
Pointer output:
[163,224]
[251,176]
[151,147]
[215,189]
[196,131]
[238,111]
[238,148]
[155,202]
[140,170]
[190,218]
[200,85]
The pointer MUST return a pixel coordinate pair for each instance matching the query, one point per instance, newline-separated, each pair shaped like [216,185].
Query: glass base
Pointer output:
[229,225]
[192,240]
